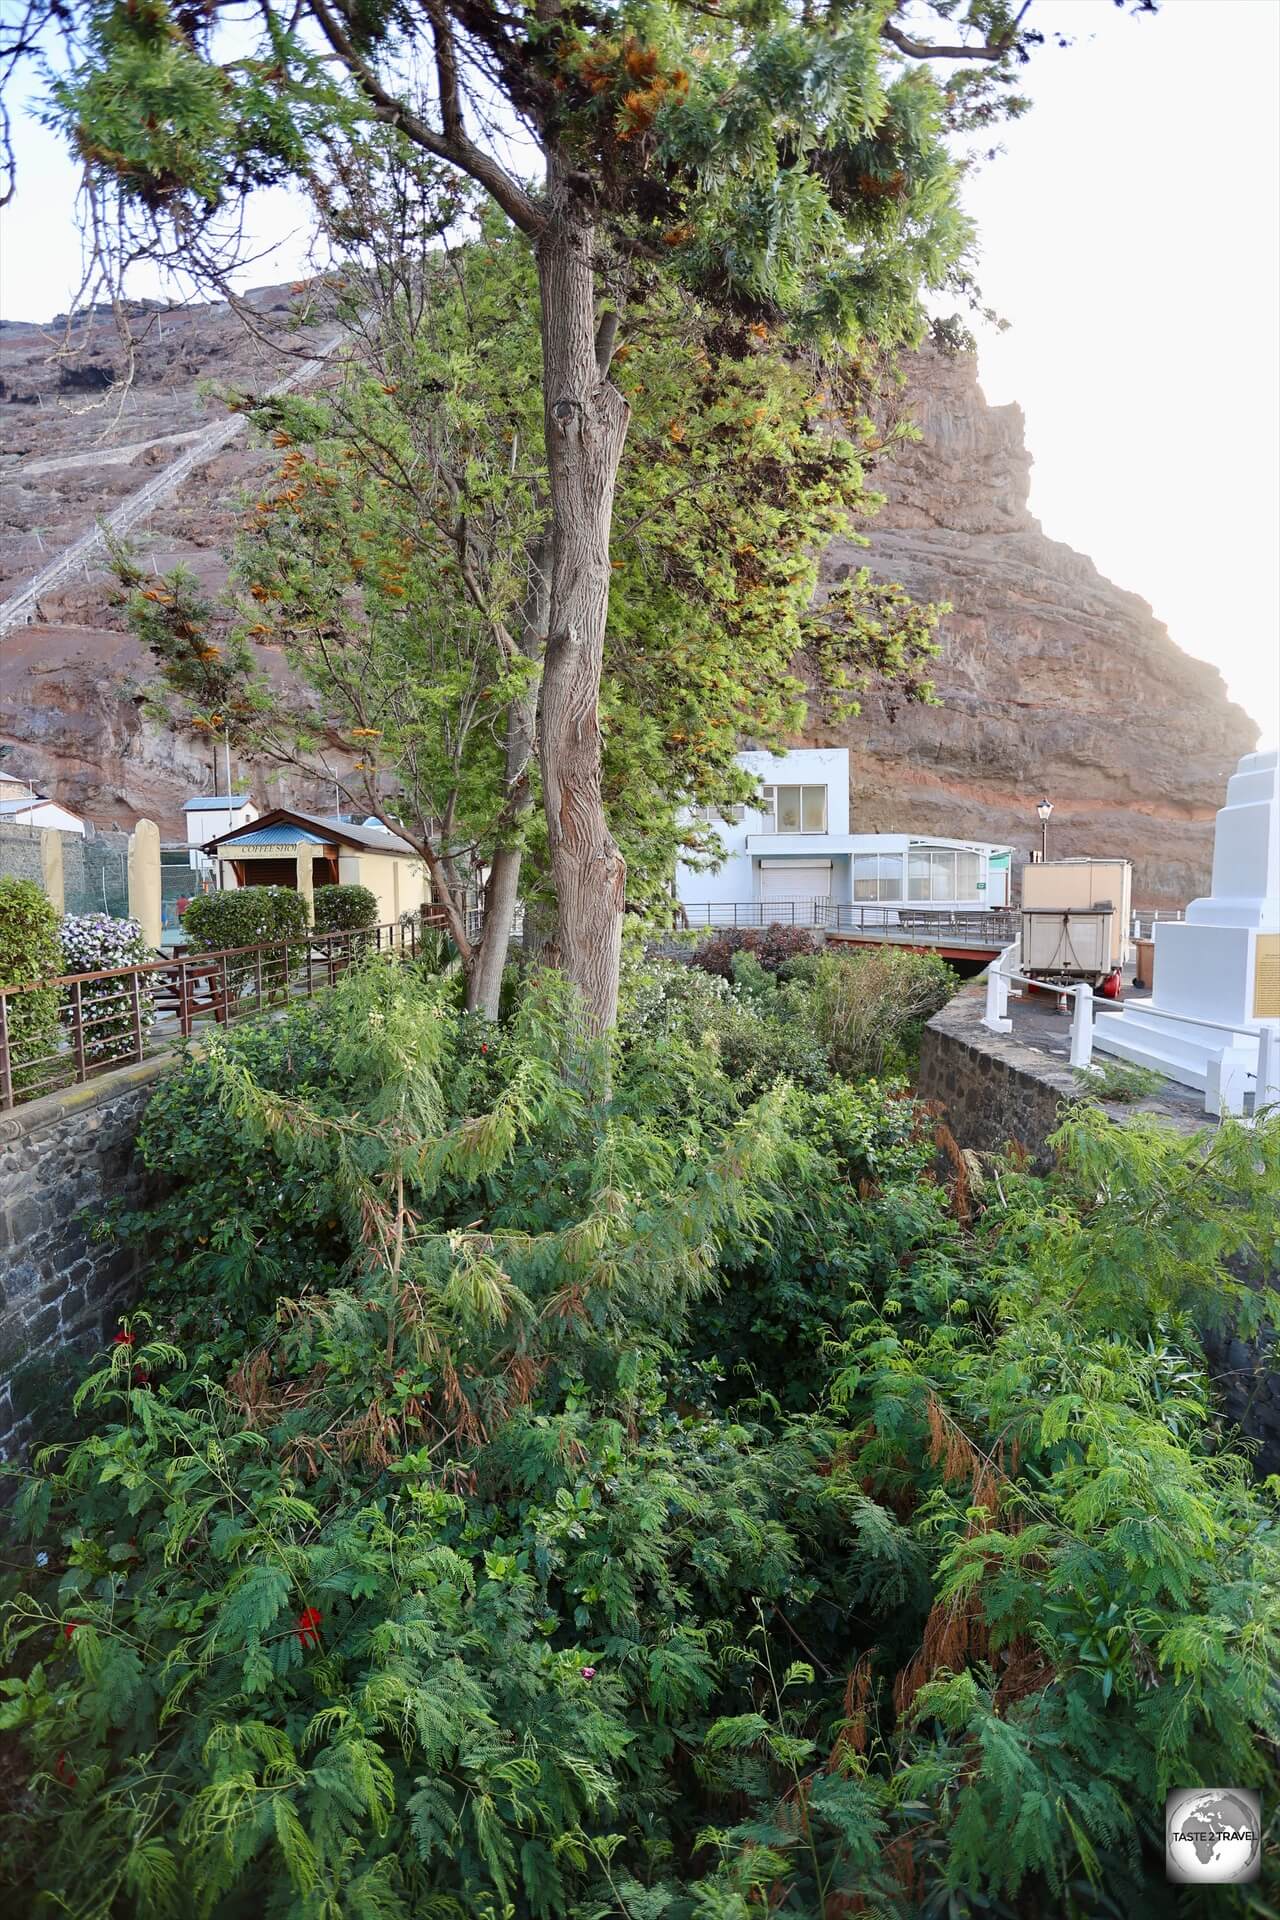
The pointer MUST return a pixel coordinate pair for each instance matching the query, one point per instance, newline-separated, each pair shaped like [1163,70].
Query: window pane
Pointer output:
[943,883]
[768,802]
[891,876]
[789,813]
[864,876]
[966,876]
[815,809]
[917,876]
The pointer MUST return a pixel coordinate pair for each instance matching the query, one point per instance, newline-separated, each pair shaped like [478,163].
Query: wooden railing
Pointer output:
[115,1018]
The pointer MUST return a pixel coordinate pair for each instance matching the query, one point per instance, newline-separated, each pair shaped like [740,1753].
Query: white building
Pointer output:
[211,814]
[797,847]
[21,805]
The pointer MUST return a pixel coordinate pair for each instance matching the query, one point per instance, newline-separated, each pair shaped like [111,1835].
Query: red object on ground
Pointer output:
[1110,988]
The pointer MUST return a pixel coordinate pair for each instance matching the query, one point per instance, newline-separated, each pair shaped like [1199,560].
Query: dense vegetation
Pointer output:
[29,950]
[537,1490]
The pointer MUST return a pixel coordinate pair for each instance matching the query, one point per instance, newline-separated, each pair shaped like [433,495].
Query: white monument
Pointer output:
[1216,982]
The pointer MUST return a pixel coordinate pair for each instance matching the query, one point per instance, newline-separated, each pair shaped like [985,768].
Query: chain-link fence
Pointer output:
[95,866]
[95,873]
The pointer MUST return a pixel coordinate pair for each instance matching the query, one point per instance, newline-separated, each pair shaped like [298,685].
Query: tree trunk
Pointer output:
[484,980]
[586,425]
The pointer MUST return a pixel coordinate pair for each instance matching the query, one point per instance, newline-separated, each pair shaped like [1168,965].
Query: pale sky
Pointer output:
[1131,236]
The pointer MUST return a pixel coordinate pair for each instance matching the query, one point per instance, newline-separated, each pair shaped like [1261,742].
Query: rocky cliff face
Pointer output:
[1052,679]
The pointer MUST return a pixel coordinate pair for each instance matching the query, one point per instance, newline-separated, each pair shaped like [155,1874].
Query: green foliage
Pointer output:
[869,1007]
[343,909]
[244,917]
[390,558]
[649,1500]
[1118,1080]
[29,950]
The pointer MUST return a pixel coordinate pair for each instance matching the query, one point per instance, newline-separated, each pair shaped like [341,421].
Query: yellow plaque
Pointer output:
[1266,978]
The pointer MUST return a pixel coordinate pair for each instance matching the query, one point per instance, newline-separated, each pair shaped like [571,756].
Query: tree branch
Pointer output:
[924,50]
[606,334]
[454,146]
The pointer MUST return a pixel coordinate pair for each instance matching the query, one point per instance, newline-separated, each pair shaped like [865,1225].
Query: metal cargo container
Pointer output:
[1085,883]
[1068,943]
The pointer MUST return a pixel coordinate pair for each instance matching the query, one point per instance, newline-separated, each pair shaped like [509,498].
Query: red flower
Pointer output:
[483,1047]
[308,1627]
[122,1339]
[141,1378]
[588,1673]
[63,1770]
[69,1629]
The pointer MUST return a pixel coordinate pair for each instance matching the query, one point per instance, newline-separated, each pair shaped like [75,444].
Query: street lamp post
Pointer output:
[1043,811]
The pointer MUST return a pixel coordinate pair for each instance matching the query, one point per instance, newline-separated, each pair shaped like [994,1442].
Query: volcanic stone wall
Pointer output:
[62,1160]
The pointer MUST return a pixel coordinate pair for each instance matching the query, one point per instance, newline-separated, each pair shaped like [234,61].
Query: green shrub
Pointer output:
[687,1515]
[344,909]
[30,950]
[244,917]
[1120,1081]
[869,1007]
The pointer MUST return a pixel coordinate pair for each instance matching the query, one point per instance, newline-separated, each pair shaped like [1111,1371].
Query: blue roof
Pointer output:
[280,834]
[204,803]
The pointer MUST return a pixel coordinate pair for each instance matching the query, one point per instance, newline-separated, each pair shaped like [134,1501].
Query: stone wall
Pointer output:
[989,1088]
[62,1159]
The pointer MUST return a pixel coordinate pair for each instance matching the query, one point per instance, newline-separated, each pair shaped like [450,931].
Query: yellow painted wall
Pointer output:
[397,884]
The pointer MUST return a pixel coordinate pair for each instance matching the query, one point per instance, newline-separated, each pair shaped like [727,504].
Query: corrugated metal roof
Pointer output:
[281,834]
[298,826]
[207,802]
[376,838]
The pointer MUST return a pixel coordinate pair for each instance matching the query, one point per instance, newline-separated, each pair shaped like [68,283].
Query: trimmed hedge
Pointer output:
[344,909]
[244,917]
[29,950]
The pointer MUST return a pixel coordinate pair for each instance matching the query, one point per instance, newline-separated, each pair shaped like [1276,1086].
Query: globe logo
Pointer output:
[1213,1836]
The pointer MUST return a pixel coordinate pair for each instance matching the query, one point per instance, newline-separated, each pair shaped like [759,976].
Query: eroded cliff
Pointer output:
[1052,679]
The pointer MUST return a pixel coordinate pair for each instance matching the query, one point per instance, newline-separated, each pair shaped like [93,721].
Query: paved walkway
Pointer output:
[1038,1023]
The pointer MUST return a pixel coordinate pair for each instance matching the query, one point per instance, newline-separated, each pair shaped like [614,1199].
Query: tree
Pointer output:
[398,562]
[791,166]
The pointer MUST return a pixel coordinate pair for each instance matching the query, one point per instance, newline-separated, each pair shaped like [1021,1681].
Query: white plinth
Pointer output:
[1221,965]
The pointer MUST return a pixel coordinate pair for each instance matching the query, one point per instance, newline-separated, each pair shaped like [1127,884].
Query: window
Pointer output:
[942,876]
[877,876]
[794,810]
[938,873]
[721,814]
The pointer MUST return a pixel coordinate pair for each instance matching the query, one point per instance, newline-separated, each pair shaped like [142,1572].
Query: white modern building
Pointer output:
[797,847]
[22,806]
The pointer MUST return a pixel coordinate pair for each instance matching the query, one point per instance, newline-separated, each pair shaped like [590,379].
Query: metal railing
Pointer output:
[63,1031]
[979,926]
[1143,920]
[1225,1093]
